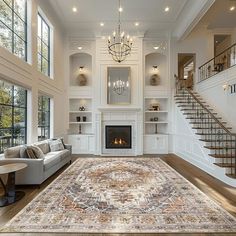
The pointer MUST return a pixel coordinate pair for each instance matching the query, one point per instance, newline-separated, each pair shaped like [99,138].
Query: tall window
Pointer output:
[13,26]
[43,117]
[13,115]
[43,46]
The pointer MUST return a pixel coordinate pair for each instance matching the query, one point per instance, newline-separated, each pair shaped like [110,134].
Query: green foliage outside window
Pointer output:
[13,26]
[13,118]
[43,117]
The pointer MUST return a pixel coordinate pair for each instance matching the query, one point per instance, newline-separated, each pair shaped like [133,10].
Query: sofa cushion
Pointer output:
[43,145]
[12,152]
[53,158]
[56,145]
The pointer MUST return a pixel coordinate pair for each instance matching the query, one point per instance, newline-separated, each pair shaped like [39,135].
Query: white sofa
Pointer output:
[38,170]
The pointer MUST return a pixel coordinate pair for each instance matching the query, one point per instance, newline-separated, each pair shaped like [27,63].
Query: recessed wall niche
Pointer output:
[155,70]
[81,70]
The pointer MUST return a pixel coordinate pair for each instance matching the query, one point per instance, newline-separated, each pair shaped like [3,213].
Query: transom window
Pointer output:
[13,115]
[13,26]
[43,46]
[43,117]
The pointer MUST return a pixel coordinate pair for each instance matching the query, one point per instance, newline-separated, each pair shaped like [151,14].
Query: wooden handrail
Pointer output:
[211,114]
[217,55]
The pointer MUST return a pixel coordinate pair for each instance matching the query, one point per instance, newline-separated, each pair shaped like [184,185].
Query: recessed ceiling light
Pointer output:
[74,9]
[232,8]
[156,47]
[120,9]
[80,48]
[167,9]
[136,23]
[102,24]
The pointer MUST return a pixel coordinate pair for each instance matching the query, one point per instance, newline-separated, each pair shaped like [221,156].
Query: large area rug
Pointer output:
[121,195]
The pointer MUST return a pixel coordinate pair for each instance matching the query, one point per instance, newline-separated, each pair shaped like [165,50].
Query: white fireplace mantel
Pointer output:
[119,109]
[119,116]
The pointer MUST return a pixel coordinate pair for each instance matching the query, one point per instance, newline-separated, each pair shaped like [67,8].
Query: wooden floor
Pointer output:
[223,194]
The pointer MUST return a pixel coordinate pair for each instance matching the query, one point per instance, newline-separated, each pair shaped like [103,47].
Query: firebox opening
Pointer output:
[118,137]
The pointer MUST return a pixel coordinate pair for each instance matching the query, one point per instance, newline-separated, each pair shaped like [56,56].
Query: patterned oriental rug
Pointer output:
[121,195]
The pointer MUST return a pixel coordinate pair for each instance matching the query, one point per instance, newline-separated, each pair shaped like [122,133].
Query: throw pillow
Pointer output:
[30,153]
[62,140]
[37,152]
[56,145]
[12,152]
[23,153]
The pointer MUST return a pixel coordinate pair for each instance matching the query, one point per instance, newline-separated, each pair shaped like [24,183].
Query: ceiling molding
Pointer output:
[190,16]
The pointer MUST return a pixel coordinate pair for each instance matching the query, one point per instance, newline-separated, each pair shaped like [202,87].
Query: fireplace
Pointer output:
[118,137]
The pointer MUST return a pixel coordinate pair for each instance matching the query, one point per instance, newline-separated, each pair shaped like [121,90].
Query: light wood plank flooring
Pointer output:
[223,194]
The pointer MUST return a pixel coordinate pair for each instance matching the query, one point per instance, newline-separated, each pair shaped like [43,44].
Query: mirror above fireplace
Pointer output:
[118,85]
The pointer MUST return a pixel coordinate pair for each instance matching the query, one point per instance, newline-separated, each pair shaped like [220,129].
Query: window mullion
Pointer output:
[12,22]
[12,117]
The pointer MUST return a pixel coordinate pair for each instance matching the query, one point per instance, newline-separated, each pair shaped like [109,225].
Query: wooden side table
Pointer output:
[10,194]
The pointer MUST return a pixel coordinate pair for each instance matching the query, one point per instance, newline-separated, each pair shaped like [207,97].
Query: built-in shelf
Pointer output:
[80,123]
[156,122]
[75,114]
[156,111]
[80,111]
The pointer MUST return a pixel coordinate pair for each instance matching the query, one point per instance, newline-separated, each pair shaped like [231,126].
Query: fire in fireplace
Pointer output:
[118,137]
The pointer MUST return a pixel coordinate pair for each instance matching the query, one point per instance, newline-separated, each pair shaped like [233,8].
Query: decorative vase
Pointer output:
[82,80]
[155,80]
[84,118]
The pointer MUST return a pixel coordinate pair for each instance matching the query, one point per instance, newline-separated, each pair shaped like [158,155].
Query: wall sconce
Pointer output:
[81,69]
[225,87]
[155,69]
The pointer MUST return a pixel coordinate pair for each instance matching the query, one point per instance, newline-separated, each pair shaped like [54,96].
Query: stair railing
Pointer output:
[220,62]
[212,130]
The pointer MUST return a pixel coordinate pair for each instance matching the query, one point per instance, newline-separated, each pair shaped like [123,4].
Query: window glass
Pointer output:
[43,46]
[13,115]
[43,118]
[13,26]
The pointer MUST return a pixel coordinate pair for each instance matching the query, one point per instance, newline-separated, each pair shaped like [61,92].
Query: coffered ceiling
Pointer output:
[150,15]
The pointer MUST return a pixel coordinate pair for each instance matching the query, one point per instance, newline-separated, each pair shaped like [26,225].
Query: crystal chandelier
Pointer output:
[119,86]
[119,45]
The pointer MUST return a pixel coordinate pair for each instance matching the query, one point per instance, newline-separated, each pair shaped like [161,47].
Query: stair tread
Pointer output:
[208,123]
[233,176]
[190,105]
[219,147]
[210,133]
[194,113]
[208,128]
[214,141]
[226,165]
[194,118]
[192,109]
[186,102]
[222,155]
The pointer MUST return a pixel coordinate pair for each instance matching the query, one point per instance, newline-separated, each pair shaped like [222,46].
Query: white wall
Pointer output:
[24,74]
[188,147]
[221,100]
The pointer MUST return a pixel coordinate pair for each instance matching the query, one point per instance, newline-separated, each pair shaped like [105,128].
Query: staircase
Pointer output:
[216,136]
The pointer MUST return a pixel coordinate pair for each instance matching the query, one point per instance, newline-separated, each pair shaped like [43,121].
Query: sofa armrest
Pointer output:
[68,147]
[32,174]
